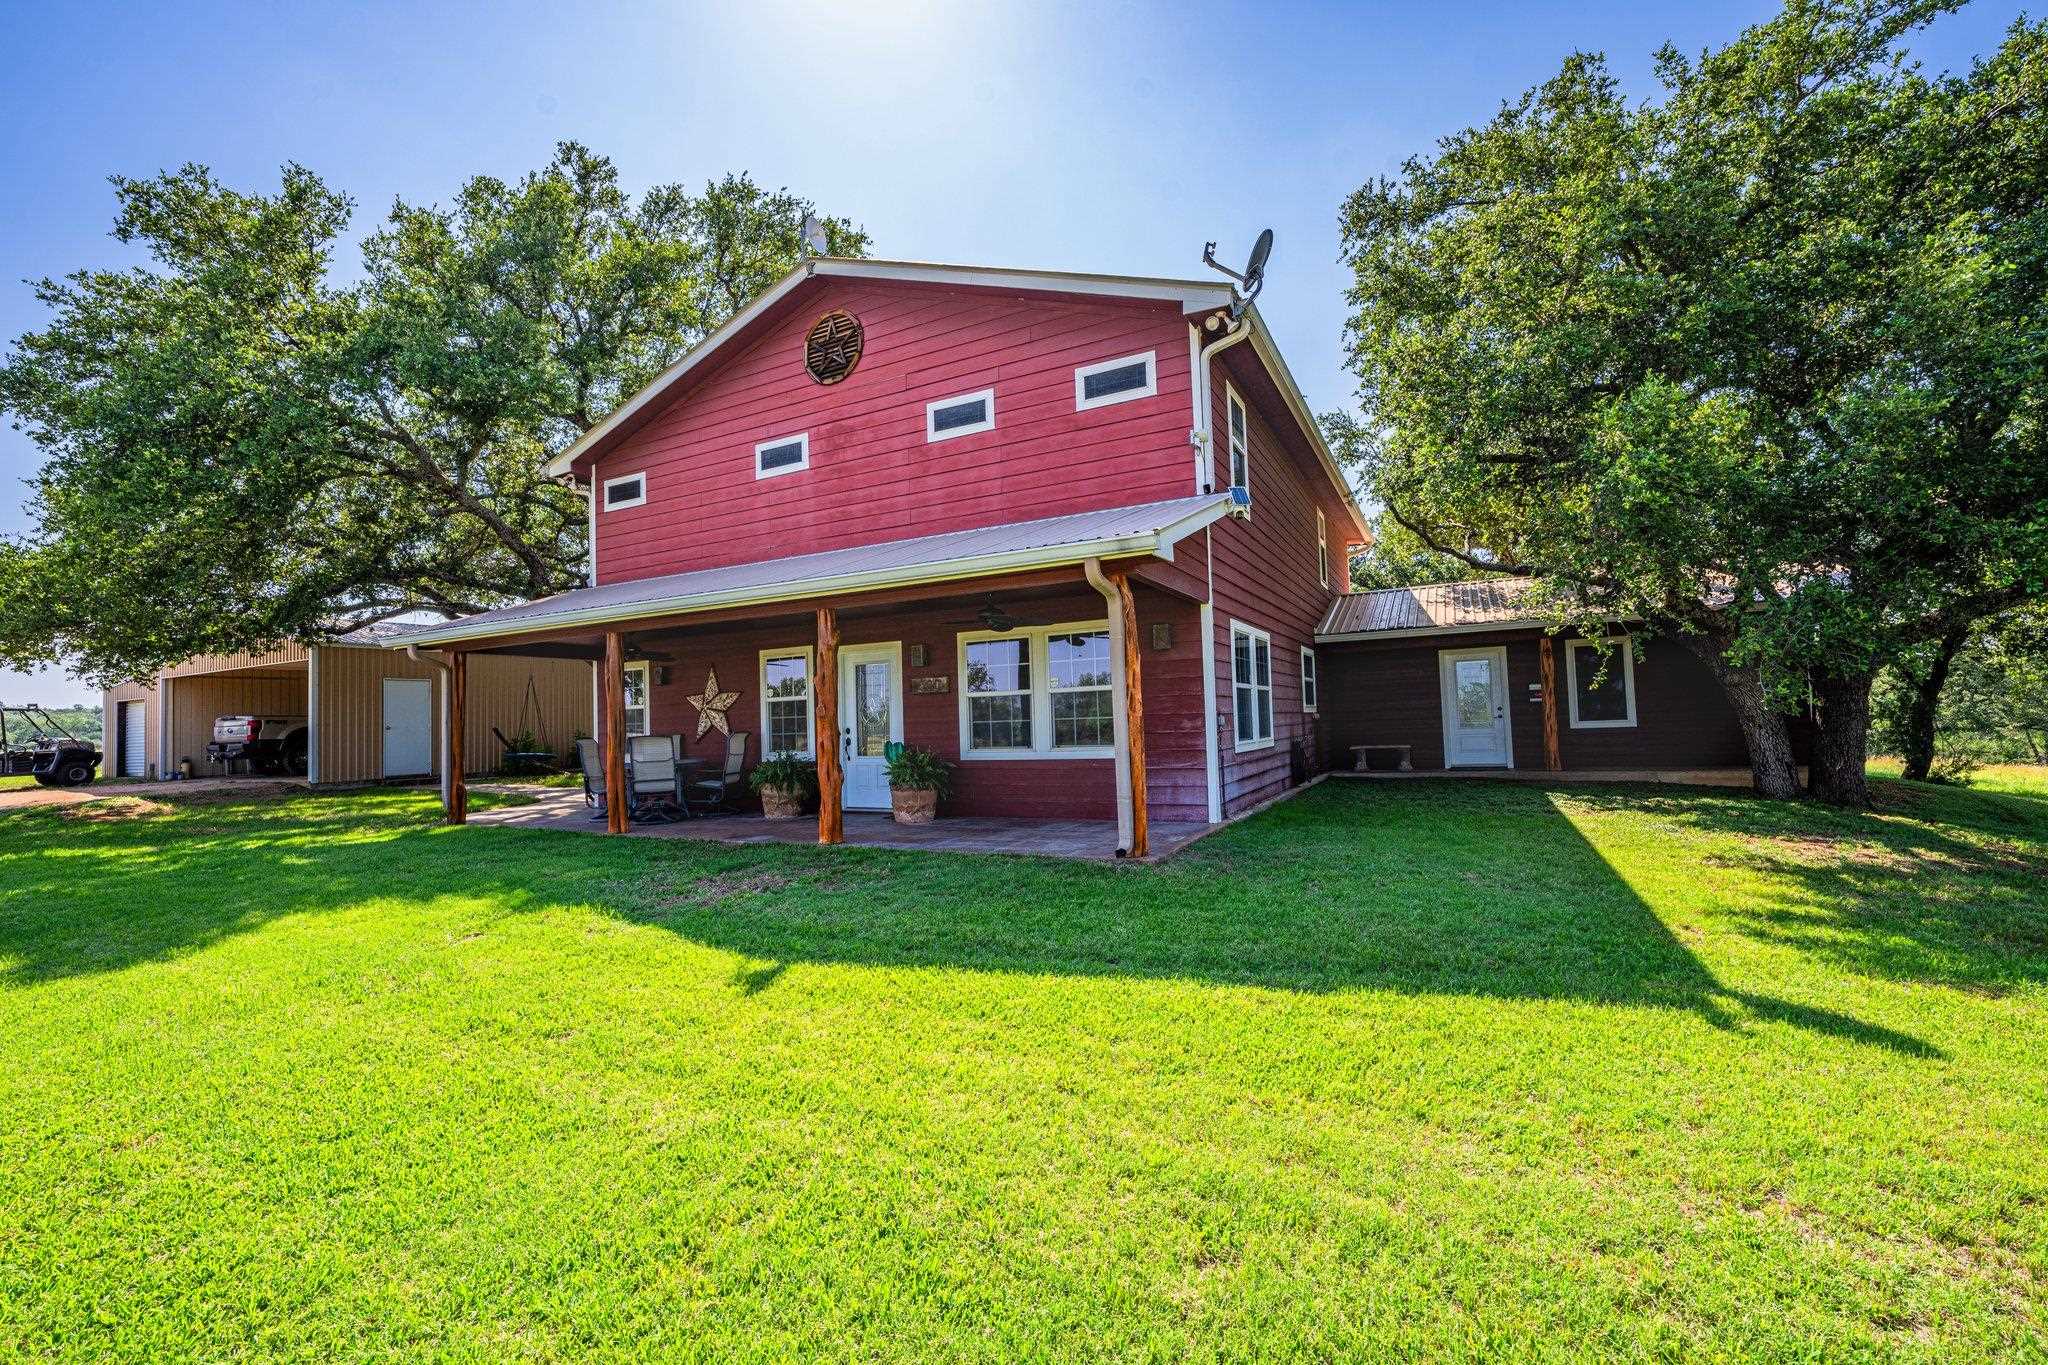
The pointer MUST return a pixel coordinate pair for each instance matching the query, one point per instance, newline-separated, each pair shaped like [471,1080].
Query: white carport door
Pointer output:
[134,762]
[408,727]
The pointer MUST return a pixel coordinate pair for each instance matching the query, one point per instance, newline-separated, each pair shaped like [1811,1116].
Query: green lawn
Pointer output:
[1456,1070]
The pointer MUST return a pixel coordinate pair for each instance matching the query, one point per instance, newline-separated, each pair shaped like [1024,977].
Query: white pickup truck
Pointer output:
[265,744]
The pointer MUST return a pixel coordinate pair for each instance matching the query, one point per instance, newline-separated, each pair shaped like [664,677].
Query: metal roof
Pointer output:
[1147,528]
[1429,608]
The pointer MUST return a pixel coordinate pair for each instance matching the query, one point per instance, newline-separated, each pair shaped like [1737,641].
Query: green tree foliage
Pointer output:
[242,448]
[1988,705]
[1397,557]
[1759,363]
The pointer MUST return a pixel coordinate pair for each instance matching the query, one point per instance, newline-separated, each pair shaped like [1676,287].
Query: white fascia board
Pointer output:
[1191,295]
[1158,543]
[1269,353]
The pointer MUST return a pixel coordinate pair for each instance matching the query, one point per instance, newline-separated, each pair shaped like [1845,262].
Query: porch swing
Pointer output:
[533,724]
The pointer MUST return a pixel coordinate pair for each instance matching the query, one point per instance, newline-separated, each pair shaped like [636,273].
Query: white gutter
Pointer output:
[1423,632]
[1158,543]
[1206,396]
[1120,723]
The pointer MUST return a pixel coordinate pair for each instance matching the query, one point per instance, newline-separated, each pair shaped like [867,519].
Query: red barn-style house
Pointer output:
[1074,533]
[1078,534]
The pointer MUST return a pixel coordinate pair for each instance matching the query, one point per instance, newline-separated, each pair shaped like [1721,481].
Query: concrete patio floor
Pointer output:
[1095,840]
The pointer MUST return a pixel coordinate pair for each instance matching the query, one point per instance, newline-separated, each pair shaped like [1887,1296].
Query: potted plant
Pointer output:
[785,782]
[918,779]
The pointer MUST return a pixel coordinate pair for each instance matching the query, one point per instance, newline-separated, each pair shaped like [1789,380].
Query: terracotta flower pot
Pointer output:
[778,804]
[914,807]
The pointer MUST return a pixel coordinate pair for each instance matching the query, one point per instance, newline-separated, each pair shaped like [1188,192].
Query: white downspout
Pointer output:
[1120,730]
[1204,437]
[1205,418]
[590,557]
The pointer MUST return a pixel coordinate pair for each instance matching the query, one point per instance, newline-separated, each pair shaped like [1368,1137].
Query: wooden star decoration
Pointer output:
[712,705]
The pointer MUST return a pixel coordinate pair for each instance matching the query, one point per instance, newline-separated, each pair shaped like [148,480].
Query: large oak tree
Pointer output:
[244,447]
[1759,363]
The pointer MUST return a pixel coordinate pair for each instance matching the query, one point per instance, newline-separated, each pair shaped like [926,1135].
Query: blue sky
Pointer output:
[1115,136]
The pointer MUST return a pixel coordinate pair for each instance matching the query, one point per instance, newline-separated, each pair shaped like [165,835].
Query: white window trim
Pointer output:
[931,414]
[1150,388]
[612,504]
[809,655]
[1628,682]
[1322,547]
[1231,449]
[801,438]
[1242,745]
[1311,674]
[1041,693]
[646,691]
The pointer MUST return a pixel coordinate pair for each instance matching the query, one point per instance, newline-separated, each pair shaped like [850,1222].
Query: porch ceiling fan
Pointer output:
[993,618]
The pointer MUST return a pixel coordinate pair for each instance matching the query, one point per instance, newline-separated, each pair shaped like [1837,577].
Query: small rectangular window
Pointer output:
[1602,688]
[1309,684]
[1322,548]
[962,416]
[627,490]
[786,702]
[1116,381]
[635,694]
[1251,660]
[783,455]
[1240,441]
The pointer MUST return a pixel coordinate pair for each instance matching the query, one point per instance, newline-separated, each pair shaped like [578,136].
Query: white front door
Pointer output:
[408,727]
[1475,695]
[870,719]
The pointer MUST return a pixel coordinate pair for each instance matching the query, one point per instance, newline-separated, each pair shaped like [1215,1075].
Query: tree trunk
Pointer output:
[1926,703]
[1842,746]
[1772,770]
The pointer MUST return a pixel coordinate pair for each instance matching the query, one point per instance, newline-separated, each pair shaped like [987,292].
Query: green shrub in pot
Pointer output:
[785,782]
[918,780]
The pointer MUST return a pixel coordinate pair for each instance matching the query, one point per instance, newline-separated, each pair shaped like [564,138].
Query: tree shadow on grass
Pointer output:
[1456,889]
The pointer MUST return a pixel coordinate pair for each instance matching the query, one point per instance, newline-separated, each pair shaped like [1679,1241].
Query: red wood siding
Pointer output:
[1387,692]
[873,477]
[1026,788]
[1266,576]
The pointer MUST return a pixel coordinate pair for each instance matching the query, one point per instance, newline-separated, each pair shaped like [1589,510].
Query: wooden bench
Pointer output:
[1361,755]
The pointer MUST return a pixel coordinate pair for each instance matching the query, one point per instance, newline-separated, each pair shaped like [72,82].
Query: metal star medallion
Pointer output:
[712,705]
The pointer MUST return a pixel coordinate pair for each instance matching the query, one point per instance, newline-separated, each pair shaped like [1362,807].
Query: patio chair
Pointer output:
[590,757]
[719,791]
[653,781]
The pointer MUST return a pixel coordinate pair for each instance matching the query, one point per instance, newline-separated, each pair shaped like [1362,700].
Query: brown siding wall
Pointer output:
[1387,692]
[288,655]
[352,707]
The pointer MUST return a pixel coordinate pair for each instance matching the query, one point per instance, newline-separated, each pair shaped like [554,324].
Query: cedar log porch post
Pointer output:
[617,800]
[1548,660]
[458,784]
[825,709]
[1134,714]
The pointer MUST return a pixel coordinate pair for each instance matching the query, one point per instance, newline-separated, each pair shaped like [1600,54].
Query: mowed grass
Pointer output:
[1456,1070]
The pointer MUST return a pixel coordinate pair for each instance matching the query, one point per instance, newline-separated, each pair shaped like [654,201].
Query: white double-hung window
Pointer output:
[635,695]
[1251,673]
[1037,693]
[786,701]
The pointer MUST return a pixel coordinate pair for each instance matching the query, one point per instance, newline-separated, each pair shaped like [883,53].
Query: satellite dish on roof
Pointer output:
[815,242]
[1251,278]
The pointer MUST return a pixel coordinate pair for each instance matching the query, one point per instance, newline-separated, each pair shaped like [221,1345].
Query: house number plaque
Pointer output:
[937,683]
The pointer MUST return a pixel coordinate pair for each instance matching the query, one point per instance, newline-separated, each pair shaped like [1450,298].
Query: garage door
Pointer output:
[134,762]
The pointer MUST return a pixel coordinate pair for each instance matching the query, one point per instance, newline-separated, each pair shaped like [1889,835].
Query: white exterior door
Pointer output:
[408,727]
[1475,697]
[870,719]
[134,738]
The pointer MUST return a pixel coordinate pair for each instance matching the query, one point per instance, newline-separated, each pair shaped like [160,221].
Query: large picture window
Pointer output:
[1602,688]
[1039,693]
[1251,665]
[786,702]
[635,692]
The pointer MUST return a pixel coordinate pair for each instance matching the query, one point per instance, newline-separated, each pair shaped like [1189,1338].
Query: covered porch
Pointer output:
[843,656]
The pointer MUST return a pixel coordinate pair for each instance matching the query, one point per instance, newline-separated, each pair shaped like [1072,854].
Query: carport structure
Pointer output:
[373,715]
